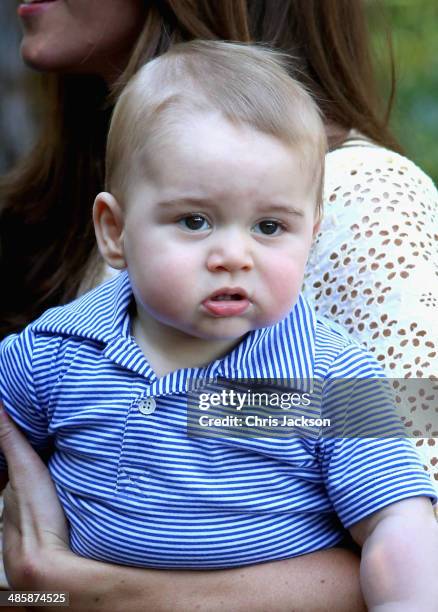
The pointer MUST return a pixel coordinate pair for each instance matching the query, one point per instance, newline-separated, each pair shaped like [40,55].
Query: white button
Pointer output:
[147,405]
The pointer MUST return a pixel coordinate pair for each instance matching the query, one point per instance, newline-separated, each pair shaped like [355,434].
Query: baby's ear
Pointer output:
[108,225]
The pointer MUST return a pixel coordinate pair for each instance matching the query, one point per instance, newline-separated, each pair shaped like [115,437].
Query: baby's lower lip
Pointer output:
[226,308]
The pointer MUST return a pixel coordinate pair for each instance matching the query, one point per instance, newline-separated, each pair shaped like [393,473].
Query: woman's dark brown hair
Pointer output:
[47,238]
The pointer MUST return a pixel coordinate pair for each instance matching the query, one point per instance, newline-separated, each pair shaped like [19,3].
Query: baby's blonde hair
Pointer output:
[247,84]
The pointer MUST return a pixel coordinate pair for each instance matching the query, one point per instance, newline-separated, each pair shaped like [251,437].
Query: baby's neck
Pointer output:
[168,349]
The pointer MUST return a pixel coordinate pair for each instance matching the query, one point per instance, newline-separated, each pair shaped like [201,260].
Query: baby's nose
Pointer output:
[233,256]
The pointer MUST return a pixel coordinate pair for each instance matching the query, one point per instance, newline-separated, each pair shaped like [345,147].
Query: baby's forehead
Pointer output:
[225,182]
[209,136]
[224,159]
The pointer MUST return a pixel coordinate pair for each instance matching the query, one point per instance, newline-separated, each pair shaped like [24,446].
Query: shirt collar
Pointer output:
[99,315]
[283,352]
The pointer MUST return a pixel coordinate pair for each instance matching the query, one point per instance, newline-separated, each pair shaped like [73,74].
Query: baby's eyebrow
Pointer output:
[280,209]
[264,208]
[187,201]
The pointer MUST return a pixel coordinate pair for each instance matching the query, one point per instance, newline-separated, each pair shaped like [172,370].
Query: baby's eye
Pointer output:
[194,223]
[269,227]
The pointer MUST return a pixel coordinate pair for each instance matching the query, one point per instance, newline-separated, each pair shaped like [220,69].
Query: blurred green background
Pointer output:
[414,28]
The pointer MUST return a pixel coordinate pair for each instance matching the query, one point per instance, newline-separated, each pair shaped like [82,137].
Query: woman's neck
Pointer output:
[336,134]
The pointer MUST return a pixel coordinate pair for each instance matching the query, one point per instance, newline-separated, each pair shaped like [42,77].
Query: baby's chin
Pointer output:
[227,329]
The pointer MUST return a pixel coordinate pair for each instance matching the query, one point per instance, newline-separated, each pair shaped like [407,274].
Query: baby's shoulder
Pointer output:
[97,316]
[60,331]
[338,355]
[334,352]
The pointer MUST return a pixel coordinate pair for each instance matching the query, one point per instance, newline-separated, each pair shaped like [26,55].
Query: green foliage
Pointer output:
[413,24]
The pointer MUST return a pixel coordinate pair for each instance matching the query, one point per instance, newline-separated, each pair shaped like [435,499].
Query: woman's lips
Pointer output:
[33,8]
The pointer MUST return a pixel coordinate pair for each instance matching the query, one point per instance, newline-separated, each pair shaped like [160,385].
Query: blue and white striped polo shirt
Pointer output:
[138,490]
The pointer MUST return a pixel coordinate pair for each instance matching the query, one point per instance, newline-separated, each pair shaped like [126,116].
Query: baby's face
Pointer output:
[217,237]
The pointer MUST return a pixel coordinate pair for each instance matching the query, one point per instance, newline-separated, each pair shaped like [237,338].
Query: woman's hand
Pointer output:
[34,522]
[37,557]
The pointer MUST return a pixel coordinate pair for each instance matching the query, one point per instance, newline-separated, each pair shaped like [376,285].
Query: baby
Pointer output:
[214,187]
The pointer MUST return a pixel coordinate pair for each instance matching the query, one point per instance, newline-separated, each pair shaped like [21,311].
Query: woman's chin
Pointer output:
[39,54]
[36,55]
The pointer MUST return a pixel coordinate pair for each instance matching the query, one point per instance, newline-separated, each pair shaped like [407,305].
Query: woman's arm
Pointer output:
[326,580]
[37,557]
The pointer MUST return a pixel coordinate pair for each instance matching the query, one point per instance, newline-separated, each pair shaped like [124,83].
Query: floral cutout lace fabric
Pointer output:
[374,270]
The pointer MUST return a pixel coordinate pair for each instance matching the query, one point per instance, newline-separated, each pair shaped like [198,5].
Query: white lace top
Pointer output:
[374,270]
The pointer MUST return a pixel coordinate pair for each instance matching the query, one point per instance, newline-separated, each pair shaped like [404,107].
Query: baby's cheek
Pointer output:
[284,285]
[163,286]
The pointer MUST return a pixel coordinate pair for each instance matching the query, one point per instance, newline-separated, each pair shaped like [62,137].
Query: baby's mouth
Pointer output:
[225,297]
[227,302]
